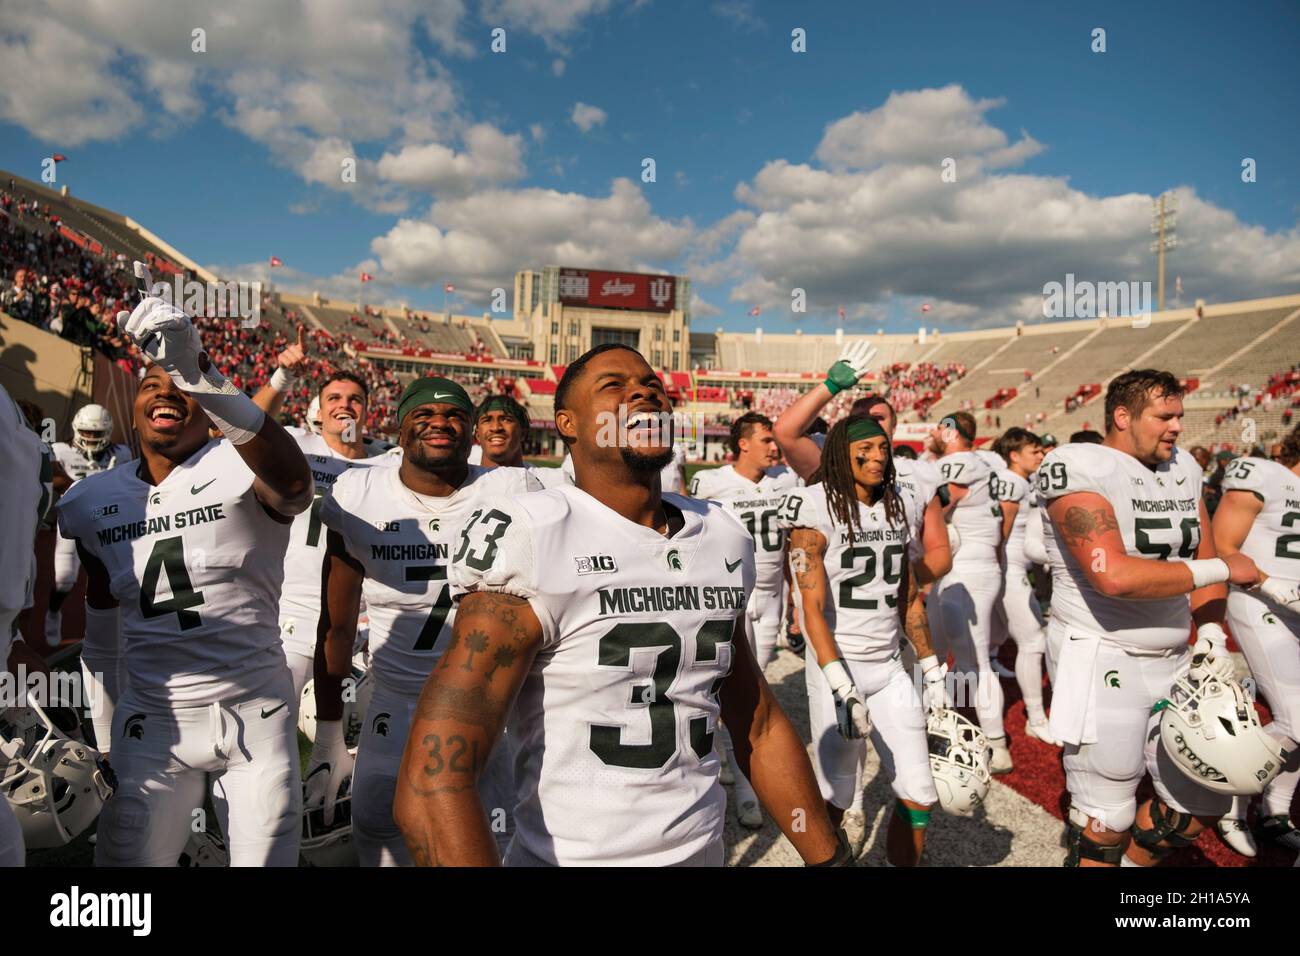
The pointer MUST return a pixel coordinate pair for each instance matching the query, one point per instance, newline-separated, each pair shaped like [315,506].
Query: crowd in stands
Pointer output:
[1283,388]
[50,281]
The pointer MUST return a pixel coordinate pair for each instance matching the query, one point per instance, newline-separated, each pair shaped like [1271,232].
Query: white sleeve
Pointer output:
[801,510]
[1245,474]
[1035,546]
[496,553]
[1073,468]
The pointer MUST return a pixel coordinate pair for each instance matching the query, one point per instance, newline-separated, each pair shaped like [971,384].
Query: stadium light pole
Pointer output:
[1164,220]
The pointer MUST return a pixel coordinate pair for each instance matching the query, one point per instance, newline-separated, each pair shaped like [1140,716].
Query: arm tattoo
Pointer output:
[471,707]
[1081,525]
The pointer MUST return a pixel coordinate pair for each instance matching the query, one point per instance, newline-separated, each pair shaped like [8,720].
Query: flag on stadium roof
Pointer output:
[926,307]
[276,261]
[755,310]
[367,277]
[841,313]
[449,288]
[59,158]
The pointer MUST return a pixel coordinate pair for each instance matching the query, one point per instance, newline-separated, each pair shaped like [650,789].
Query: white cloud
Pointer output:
[537,131]
[921,126]
[587,117]
[490,157]
[739,12]
[470,240]
[873,223]
[557,66]
[701,309]
[552,20]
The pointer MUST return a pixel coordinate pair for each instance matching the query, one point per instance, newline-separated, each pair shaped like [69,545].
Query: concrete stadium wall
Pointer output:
[45,369]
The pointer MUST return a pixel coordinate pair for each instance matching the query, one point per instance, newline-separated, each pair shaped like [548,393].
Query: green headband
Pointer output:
[503,403]
[865,428]
[425,390]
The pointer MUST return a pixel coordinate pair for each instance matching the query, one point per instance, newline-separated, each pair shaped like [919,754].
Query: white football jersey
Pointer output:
[1274,539]
[673,473]
[919,477]
[24,475]
[78,464]
[991,458]
[300,595]
[977,517]
[1011,487]
[758,506]
[1158,512]
[403,542]
[614,724]
[864,569]
[196,564]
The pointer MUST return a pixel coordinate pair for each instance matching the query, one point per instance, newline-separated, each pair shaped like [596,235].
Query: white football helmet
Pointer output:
[959,761]
[1211,732]
[204,849]
[92,429]
[354,711]
[330,845]
[313,416]
[55,785]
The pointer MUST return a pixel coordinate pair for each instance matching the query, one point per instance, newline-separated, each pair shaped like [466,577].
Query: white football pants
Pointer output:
[965,598]
[245,749]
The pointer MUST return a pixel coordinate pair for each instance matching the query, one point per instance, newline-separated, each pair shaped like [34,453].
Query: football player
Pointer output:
[804,453]
[608,618]
[389,540]
[1128,541]
[91,450]
[754,489]
[963,601]
[23,462]
[1018,614]
[184,551]
[501,425]
[338,447]
[849,556]
[1259,516]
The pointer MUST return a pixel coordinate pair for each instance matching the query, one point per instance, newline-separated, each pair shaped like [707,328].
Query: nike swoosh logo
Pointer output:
[442,395]
[195,491]
[1180,481]
[267,713]
[1073,638]
[732,565]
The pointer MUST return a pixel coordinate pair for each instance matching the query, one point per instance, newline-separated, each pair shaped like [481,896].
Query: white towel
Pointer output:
[1074,713]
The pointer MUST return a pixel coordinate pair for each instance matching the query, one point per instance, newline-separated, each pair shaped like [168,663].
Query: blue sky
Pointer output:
[775,170]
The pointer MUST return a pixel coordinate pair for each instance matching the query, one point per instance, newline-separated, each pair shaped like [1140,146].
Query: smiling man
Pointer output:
[390,539]
[501,425]
[184,551]
[1133,565]
[608,618]
[338,447]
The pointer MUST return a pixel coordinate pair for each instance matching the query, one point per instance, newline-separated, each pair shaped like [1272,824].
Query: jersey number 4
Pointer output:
[168,555]
[615,650]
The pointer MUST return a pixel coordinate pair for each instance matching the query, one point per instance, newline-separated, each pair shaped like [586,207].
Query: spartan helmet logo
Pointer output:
[379,726]
[674,560]
[433,524]
[1111,679]
[1269,618]
[155,498]
[134,727]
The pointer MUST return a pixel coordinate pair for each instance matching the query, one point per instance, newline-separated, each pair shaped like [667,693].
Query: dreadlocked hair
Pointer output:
[836,474]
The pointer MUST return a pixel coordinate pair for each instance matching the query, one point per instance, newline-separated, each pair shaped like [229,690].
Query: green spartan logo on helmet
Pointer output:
[674,560]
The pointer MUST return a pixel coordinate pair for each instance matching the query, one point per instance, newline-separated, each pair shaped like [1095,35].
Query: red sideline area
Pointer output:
[1040,776]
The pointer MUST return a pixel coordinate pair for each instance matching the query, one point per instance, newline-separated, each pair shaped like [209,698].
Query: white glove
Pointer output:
[935,691]
[850,708]
[1210,655]
[329,766]
[1280,593]
[167,336]
[852,364]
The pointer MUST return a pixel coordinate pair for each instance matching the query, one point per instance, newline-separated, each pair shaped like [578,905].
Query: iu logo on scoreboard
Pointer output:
[660,291]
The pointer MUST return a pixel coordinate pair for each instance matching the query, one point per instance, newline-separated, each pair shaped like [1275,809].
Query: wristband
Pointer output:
[837,676]
[1208,571]
[282,379]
